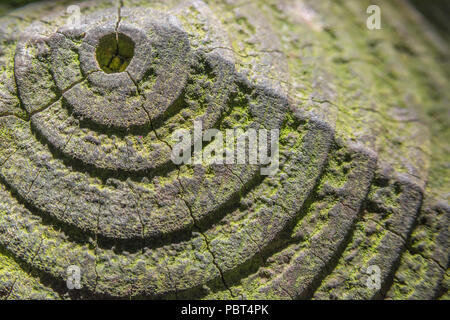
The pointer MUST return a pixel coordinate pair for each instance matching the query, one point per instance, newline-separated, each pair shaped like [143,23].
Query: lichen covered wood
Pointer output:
[87,114]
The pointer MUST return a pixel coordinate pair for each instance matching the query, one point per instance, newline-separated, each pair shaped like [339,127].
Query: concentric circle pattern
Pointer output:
[87,177]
